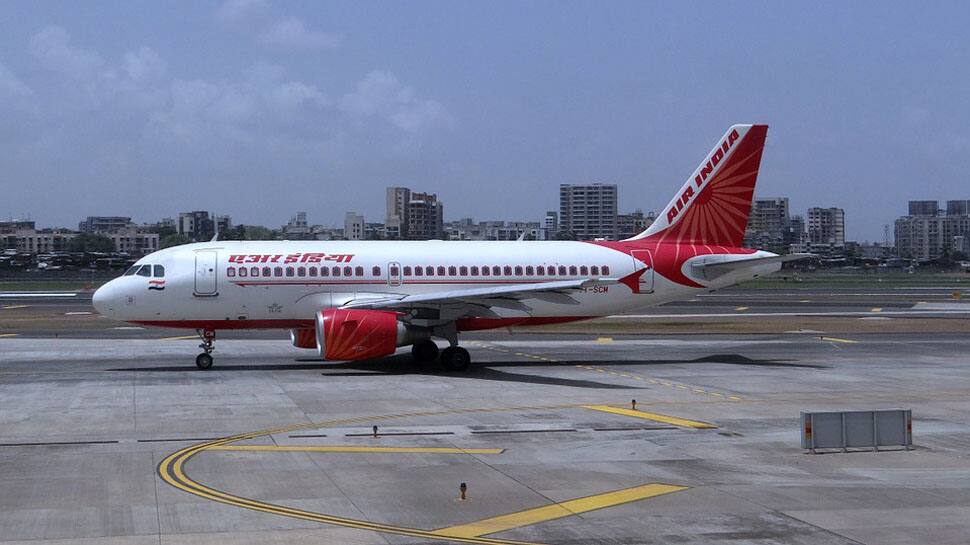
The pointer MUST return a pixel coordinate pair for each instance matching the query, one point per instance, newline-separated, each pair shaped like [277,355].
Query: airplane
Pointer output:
[357,300]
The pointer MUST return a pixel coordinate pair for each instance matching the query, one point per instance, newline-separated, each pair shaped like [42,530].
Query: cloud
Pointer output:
[144,65]
[10,85]
[239,13]
[291,33]
[381,94]
[52,47]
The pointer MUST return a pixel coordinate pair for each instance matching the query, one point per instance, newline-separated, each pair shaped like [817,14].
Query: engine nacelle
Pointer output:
[355,334]
[304,338]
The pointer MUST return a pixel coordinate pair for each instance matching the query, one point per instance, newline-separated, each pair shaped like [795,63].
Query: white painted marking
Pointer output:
[128,327]
[32,294]
[77,313]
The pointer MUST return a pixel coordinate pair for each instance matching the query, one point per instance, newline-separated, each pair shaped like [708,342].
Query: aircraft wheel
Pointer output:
[425,351]
[455,358]
[203,361]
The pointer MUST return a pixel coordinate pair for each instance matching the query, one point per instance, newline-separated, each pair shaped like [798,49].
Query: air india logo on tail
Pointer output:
[715,159]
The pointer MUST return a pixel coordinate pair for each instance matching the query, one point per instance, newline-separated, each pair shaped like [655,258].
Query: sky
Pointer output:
[259,109]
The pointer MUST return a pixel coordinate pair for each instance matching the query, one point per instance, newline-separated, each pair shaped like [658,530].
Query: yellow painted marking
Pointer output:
[600,370]
[13,307]
[638,378]
[603,340]
[354,449]
[717,394]
[8,334]
[734,398]
[558,510]
[700,391]
[741,308]
[877,309]
[681,386]
[682,422]
[182,338]
[838,340]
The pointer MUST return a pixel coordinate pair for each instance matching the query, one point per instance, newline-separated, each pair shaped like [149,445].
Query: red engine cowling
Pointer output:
[354,334]
[304,338]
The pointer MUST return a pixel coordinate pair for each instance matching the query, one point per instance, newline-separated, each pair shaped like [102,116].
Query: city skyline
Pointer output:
[260,108]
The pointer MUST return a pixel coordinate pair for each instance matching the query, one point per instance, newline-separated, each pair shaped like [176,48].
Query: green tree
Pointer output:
[91,243]
[174,240]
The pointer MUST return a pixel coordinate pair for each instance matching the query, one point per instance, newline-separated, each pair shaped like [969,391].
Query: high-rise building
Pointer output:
[768,224]
[353,226]
[588,212]
[826,227]
[425,217]
[103,224]
[931,236]
[551,224]
[199,226]
[297,228]
[396,220]
[924,208]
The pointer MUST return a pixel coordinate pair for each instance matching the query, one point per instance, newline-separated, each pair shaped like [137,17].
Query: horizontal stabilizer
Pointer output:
[710,271]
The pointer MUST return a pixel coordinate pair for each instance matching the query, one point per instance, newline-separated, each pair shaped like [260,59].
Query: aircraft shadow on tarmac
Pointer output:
[403,364]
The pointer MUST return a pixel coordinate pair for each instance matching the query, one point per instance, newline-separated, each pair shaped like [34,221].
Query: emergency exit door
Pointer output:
[206,284]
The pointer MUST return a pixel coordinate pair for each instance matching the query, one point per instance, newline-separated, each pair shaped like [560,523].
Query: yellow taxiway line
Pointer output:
[355,449]
[14,307]
[8,334]
[557,510]
[673,420]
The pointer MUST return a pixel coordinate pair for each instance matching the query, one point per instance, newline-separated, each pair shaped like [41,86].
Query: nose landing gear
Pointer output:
[208,336]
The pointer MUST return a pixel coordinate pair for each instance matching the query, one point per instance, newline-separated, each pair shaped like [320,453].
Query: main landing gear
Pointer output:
[453,358]
[208,336]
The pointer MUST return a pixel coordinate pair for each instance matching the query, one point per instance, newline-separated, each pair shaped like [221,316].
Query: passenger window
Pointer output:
[289,271]
[145,270]
[348,271]
[324,271]
[278,271]
[313,271]
[159,271]
[572,270]
[518,270]
[243,272]
[267,271]
[508,271]
[485,270]
[301,271]
[441,271]
[429,271]
[418,271]
[606,269]
[540,270]
[376,271]
[131,270]
[583,270]
[562,270]
[254,271]
[594,270]
[407,270]
[496,271]
[358,271]
[529,270]
[231,272]
[463,271]
[395,271]
[474,270]
[336,271]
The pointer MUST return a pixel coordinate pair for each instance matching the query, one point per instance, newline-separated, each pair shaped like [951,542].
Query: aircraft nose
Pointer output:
[103,299]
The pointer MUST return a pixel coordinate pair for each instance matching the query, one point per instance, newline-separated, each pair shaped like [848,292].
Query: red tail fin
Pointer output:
[713,205]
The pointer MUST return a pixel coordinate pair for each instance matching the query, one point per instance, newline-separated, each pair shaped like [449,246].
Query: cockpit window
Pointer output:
[145,270]
[131,270]
[159,271]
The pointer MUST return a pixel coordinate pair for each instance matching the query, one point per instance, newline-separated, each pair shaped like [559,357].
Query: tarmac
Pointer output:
[113,436]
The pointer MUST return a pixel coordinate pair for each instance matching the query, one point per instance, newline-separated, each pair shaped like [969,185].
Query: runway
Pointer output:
[114,439]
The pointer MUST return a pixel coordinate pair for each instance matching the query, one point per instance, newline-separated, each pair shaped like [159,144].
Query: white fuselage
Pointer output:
[230,284]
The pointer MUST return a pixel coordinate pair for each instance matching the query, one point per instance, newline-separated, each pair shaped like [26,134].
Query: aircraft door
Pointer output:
[393,274]
[206,273]
[641,257]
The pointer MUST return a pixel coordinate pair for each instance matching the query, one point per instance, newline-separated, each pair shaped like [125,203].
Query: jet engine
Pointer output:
[304,338]
[355,334]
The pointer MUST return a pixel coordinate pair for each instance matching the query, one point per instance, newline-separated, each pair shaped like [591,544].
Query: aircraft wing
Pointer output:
[478,302]
[710,271]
